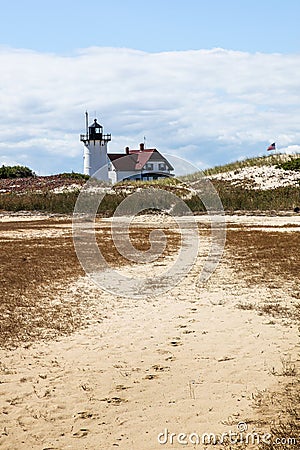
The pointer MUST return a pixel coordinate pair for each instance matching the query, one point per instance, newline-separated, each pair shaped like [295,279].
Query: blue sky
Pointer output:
[156,26]
[210,81]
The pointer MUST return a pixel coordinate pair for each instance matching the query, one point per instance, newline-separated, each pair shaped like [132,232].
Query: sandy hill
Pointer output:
[258,173]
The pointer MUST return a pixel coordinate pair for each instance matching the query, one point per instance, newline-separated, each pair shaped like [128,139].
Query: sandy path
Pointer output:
[178,363]
[189,361]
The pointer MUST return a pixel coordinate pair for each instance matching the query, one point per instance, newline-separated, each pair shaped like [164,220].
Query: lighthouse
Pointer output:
[95,150]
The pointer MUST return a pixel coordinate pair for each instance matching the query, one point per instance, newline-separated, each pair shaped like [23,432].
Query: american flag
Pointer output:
[272,147]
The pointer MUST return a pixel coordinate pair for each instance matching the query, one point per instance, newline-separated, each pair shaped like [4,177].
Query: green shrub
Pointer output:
[293,164]
[15,172]
[75,176]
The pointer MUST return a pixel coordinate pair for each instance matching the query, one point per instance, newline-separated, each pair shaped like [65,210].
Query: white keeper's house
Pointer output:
[135,164]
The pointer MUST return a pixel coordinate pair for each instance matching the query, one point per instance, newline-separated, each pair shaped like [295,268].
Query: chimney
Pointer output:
[127,150]
[142,147]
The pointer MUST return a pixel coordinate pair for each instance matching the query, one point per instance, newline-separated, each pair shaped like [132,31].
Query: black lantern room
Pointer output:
[95,131]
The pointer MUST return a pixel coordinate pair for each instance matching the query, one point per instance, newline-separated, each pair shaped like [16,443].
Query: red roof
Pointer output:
[136,159]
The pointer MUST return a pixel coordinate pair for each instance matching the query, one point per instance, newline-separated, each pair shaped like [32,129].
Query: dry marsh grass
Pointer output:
[36,271]
[272,258]
[283,412]
[265,256]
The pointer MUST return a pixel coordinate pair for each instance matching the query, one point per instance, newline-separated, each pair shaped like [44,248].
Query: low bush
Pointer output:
[16,172]
[293,164]
[75,176]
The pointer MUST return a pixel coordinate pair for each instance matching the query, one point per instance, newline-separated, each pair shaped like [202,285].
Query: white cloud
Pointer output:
[291,149]
[207,105]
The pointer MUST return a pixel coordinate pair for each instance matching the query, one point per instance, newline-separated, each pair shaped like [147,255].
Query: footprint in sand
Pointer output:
[170,358]
[115,401]
[81,433]
[175,342]
[159,368]
[86,415]
[151,376]
[121,387]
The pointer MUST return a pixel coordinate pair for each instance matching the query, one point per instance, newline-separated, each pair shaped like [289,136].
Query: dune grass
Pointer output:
[62,203]
[233,198]
[259,161]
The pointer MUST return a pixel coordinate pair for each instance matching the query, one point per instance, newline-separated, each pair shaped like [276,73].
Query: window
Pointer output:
[149,166]
[162,166]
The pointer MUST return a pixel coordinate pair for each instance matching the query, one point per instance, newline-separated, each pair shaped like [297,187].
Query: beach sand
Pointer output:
[106,372]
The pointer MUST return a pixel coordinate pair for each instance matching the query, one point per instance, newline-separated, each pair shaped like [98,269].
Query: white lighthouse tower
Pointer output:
[95,150]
